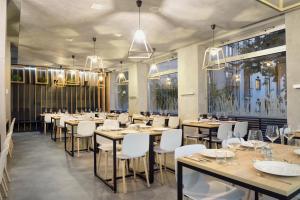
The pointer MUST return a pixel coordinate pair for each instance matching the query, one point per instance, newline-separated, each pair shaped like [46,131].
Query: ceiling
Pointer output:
[53,30]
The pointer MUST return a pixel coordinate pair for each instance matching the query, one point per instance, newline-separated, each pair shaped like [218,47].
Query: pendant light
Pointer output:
[94,62]
[153,68]
[140,48]
[60,78]
[214,58]
[121,79]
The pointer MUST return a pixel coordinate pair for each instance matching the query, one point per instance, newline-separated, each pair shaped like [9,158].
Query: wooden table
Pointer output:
[117,136]
[74,123]
[245,175]
[54,119]
[205,125]
[112,115]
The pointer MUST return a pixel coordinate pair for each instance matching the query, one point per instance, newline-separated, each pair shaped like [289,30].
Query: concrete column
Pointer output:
[3,84]
[138,84]
[192,84]
[293,69]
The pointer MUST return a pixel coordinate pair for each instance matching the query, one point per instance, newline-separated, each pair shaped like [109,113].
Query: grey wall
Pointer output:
[293,67]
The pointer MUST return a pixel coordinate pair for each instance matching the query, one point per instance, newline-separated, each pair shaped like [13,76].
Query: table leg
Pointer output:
[210,136]
[72,140]
[95,155]
[182,140]
[65,136]
[115,166]
[256,195]
[55,129]
[179,181]
[151,159]
[51,134]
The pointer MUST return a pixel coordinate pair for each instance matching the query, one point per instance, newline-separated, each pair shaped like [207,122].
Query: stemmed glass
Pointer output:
[209,116]
[255,138]
[218,115]
[288,134]
[272,133]
[145,120]
[225,115]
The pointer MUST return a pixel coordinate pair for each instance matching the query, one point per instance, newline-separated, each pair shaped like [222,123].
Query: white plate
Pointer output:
[111,129]
[297,151]
[160,129]
[220,153]
[144,126]
[129,131]
[278,168]
[248,144]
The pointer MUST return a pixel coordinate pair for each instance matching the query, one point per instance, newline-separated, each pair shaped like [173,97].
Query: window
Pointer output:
[255,86]
[122,95]
[163,89]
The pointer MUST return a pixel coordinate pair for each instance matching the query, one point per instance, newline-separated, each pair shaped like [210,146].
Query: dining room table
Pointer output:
[54,120]
[116,136]
[72,124]
[243,171]
[210,125]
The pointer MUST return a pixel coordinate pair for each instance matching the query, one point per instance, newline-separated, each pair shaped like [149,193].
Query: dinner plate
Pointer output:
[277,168]
[220,153]
[111,129]
[248,144]
[129,131]
[297,151]
[160,129]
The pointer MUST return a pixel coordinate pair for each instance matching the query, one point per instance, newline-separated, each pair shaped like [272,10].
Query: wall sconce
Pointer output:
[257,83]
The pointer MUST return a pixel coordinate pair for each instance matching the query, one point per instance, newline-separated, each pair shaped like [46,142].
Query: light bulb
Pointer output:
[139,36]
[153,69]
[214,51]
[100,78]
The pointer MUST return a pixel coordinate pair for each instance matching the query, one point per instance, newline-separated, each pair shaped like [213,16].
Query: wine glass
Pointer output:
[218,115]
[209,116]
[272,133]
[255,138]
[288,134]
[225,115]
[145,120]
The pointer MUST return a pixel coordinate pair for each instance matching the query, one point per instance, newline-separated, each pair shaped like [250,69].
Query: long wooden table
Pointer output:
[117,136]
[72,124]
[245,175]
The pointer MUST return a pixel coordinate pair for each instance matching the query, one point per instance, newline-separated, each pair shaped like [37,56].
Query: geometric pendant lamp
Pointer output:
[121,78]
[140,48]
[60,78]
[94,63]
[214,58]
[281,5]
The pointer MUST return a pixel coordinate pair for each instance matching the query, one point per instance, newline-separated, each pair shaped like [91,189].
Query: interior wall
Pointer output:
[3,38]
[293,68]
[7,81]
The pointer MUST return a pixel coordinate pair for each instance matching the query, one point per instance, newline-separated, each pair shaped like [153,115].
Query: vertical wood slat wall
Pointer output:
[29,100]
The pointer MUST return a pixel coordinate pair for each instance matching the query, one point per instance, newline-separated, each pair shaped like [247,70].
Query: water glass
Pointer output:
[221,156]
[272,133]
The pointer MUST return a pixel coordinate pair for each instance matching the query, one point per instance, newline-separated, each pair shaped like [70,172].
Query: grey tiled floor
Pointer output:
[41,170]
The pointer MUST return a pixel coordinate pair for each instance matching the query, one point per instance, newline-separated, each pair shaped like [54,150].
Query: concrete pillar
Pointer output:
[293,69]
[3,84]
[192,84]
[138,84]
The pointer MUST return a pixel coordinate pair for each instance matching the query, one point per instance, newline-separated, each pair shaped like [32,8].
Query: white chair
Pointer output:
[135,145]
[110,124]
[229,141]
[10,131]
[123,118]
[170,140]
[85,129]
[224,132]
[159,121]
[61,125]
[47,120]
[195,185]
[3,161]
[240,129]
[137,117]
[102,115]
[173,122]
[193,134]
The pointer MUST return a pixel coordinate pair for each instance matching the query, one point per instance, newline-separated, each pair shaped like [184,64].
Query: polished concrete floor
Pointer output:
[41,170]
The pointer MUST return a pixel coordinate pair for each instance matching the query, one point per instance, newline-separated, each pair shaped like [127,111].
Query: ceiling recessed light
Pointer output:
[69,39]
[118,34]
[96,6]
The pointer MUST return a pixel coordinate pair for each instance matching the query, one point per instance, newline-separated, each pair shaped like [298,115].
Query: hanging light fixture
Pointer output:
[94,62]
[153,68]
[121,78]
[60,78]
[140,48]
[214,58]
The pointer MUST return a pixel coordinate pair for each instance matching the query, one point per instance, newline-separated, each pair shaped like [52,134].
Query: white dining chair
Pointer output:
[123,118]
[197,186]
[61,125]
[10,131]
[110,124]
[85,129]
[193,134]
[159,121]
[224,132]
[3,182]
[135,146]
[229,141]
[47,120]
[173,122]
[170,140]
[240,129]
[102,115]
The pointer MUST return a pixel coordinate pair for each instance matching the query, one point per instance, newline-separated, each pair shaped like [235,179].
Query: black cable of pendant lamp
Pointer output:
[139,5]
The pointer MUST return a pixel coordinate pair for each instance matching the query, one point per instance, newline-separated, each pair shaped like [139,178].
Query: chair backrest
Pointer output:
[226,142]
[62,120]
[11,127]
[173,122]
[86,128]
[158,121]
[240,129]
[224,130]
[111,124]
[47,118]
[102,140]
[123,118]
[135,144]
[171,139]
[102,115]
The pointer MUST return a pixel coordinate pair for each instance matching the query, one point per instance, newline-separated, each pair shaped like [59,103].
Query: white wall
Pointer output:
[2,70]
[192,94]
[293,67]
[137,76]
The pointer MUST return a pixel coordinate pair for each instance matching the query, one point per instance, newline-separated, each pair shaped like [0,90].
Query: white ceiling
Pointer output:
[47,26]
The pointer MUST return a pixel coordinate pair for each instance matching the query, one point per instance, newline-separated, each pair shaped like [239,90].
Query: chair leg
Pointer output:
[133,167]
[78,146]
[45,128]
[7,175]
[5,186]
[1,198]
[146,170]
[60,130]
[123,163]
[4,190]
[106,163]
[165,161]
[160,169]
